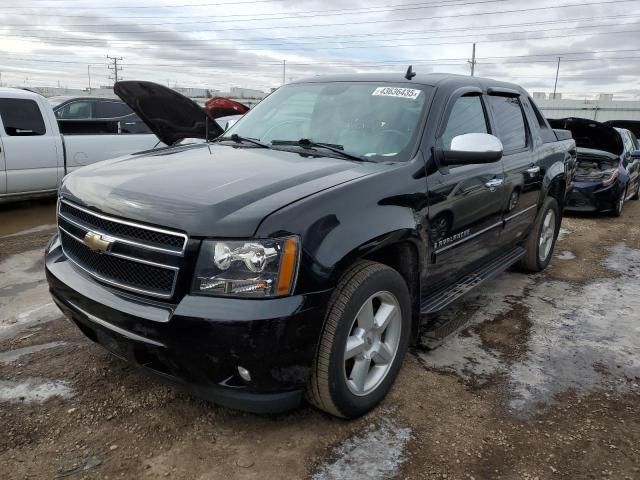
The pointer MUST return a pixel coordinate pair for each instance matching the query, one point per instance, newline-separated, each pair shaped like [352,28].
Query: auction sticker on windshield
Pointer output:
[410,93]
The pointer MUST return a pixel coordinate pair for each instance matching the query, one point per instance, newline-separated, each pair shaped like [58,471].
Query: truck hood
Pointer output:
[591,134]
[207,189]
[170,115]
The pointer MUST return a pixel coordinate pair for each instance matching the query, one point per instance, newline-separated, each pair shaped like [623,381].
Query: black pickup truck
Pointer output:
[296,254]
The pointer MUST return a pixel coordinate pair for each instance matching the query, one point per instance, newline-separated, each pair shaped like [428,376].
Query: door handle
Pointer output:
[533,170]
[494,183]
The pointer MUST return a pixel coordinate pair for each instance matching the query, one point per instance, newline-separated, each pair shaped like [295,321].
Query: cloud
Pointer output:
[244,43]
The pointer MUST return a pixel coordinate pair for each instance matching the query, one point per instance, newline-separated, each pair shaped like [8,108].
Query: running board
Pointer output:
[445,296]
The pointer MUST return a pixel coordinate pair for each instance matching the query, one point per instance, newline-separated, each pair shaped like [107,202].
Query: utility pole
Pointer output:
[473,60]
[89,75]
[556,84]
[284,70]
[114,68]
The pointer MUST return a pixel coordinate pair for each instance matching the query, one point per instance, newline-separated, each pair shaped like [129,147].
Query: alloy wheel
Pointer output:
[547,234]
[373,343]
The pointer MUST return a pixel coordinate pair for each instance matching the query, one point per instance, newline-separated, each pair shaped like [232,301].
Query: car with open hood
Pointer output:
[296,254]
[608,166]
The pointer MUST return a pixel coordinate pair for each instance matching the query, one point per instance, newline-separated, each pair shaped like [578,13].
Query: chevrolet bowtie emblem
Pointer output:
[97,242]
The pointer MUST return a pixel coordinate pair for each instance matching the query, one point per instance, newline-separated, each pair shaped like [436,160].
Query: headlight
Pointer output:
[247,268]
[609,178]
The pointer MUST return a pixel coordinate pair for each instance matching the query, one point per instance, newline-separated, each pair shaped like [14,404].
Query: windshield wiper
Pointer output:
[310,144]
[238,139]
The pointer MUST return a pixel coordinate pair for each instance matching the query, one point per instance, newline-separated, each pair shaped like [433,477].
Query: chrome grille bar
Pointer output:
[113,266]
[95,227]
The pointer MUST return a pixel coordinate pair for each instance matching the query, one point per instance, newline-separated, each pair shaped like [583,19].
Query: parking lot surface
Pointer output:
[532,376]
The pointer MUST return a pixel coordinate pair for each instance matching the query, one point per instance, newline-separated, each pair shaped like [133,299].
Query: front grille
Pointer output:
[149,236]
[130,270]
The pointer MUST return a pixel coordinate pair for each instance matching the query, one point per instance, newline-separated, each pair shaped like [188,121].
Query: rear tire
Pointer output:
[542,239]
[356,366]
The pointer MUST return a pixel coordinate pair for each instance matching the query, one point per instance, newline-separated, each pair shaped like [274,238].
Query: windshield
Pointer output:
[375,120]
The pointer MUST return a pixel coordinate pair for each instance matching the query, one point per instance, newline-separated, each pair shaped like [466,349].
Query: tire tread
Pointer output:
[318,390]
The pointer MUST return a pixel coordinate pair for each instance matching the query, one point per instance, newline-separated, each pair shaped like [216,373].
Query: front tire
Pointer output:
[541,241]
[620,204]
[364,340]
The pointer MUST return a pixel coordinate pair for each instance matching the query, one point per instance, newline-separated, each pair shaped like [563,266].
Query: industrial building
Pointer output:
[604,108]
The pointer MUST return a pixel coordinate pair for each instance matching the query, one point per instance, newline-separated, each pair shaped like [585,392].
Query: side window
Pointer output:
[109,109]
[75,111]
[21,117]
[510,122]
[628,143]
[467,116]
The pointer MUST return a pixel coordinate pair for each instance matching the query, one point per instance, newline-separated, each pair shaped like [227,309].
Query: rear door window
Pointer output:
[510,122]
[546,133]
[110,109]
[21,117]
[467,116]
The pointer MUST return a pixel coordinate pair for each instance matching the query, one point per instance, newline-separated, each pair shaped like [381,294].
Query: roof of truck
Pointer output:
[7,92]
[431,79]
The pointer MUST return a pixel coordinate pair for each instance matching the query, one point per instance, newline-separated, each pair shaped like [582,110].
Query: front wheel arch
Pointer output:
[399,250]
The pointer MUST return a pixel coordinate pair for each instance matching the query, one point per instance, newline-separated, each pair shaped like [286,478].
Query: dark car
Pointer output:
[608,169]
[73,112]
[294,255]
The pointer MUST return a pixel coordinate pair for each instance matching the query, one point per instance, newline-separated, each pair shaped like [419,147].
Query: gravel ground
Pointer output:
[541,380]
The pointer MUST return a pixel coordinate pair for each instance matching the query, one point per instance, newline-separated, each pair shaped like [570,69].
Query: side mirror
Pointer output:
[635,154]
[472,148]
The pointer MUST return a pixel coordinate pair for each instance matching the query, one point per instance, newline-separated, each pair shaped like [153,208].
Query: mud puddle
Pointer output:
[18,354]
[24,295]
[560,336]
[26,217]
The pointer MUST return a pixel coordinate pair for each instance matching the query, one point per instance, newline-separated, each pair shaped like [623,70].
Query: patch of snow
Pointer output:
[33,390]
[563,233]
[13,355]
[566,255]
[376,453]
[582,337]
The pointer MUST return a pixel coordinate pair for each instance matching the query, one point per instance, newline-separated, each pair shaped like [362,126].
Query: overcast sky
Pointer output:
[223,43]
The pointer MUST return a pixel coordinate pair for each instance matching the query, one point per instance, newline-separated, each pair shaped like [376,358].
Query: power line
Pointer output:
[298,14]
[88,42]
[405,33]
[357,64]
[365,22]
[155,7]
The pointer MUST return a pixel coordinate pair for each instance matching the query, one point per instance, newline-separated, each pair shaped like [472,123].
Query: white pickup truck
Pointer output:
[35,156]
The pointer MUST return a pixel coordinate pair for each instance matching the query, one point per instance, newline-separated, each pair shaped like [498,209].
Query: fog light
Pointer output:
[244,373]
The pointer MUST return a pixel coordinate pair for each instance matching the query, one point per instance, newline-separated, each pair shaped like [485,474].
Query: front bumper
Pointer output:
[200,342]
[593,196]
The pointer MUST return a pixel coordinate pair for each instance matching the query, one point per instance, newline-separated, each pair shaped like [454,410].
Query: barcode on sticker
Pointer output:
[410,93]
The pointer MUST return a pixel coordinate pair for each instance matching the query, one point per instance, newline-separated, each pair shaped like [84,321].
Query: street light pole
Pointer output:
[473,60]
